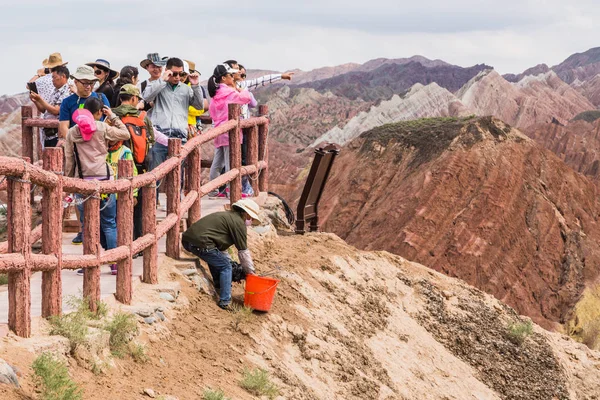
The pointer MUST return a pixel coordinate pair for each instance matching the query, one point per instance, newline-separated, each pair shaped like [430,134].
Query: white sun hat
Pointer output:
[249,206]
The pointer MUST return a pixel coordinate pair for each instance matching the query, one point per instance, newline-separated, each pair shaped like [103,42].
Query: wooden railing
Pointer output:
[17,259]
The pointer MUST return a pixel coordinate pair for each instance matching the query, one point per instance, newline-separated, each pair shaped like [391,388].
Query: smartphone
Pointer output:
[32,87]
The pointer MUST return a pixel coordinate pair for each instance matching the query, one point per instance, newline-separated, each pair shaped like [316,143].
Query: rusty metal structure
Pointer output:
[17,259]
[307,211]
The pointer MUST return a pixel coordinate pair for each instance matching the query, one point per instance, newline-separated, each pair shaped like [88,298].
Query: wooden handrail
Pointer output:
[16,258]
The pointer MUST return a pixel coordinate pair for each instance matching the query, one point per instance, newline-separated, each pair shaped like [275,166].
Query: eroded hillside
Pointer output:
[346,324]
[475,199]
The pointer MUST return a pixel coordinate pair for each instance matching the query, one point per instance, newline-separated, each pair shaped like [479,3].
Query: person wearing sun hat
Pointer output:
[106,77]
[153,63]
[43,76]
[211,236]
[84,83]
[84,79]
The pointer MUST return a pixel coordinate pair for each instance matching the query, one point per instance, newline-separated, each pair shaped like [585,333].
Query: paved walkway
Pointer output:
[72,284]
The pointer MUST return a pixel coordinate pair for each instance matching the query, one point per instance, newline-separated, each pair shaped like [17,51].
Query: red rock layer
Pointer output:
[473,199]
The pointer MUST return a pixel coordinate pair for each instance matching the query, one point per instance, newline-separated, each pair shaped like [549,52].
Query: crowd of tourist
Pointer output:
[107,115]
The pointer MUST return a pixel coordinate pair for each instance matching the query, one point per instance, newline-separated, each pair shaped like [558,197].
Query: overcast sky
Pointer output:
[510,35]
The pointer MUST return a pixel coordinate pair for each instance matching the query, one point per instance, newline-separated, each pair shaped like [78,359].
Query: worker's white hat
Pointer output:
[249,206]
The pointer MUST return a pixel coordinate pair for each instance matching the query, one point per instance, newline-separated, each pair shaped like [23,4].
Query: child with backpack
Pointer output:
[142,137]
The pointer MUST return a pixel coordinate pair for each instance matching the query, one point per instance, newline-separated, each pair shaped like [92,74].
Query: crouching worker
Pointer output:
[211,236]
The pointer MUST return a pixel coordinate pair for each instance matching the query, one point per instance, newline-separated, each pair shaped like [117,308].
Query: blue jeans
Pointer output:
[220,269]
[108,221]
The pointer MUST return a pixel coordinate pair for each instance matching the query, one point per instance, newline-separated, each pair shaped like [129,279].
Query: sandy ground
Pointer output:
[345,324]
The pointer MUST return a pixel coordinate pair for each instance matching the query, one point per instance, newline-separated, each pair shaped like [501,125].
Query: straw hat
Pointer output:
[112,74]
[192,65]
[249,206]
[54,60]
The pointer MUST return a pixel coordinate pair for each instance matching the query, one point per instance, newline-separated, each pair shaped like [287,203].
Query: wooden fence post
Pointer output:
[150,274]
[19,230]
[91,245]
[235,154]
[52,234]
[125,234]
[26,133]
[194,183]
[263,149]
[252,156]
[173,181]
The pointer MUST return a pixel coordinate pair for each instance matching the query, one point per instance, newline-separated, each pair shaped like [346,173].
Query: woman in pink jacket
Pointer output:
[223,91]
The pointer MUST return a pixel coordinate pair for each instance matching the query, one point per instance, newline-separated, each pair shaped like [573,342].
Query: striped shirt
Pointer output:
[252,84]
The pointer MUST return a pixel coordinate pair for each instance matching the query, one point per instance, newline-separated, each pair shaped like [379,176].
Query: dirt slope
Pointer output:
[352,325]
[474,199]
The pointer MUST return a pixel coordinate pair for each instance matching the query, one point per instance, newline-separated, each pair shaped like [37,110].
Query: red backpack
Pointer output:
[139,137]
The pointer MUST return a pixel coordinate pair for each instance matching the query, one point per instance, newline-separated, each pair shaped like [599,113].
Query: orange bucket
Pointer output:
[260,292]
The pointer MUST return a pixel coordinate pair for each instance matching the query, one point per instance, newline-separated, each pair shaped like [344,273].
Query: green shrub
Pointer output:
[3,279]
[258,383]
[73,326]
[122,328]
[210,394]
[52,376]
[518,331]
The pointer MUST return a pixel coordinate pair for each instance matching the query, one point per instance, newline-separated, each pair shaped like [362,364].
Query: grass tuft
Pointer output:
[241,315]
[52,376]
[122,328]
[3,279]
[518,331]
[210,394]
[138,353]
[258,383]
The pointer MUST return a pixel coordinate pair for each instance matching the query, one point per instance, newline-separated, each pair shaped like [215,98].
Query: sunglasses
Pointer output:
[99,72]
[181,74]
[243,76]
[85,84]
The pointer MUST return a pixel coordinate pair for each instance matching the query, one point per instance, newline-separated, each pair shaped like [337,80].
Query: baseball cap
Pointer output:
[131,90]
[86,123]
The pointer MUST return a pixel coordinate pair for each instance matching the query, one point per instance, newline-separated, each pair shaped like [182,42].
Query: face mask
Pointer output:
[249,222]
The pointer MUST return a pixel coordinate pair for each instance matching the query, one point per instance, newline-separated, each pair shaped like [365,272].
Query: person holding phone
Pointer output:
[42,80]
[50,108]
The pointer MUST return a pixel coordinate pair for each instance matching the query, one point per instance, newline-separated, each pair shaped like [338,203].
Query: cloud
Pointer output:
[511,36]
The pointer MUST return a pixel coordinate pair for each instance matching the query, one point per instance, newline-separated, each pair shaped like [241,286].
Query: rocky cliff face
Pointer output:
[420,101]
[299,116]
[532,100]
[576,143]
[389,79]
[474,199]
[10,123]
[579,66]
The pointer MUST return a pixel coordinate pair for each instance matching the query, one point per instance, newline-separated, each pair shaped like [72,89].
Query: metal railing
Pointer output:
[17,259]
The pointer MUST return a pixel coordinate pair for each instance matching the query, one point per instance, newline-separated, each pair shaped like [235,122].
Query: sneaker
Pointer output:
[245,196]
[78,239]
[80,272]
[222,195]
[214,193]
[226,307]
[113,269]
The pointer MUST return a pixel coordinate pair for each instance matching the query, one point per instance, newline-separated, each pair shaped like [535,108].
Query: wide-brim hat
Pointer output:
[112,74]
[153,58]
[84,72]
[192,66]
[249,206]
[53,60]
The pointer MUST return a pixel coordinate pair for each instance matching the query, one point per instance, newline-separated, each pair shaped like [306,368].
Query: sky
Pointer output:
[510,35]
